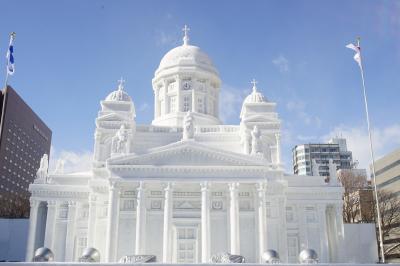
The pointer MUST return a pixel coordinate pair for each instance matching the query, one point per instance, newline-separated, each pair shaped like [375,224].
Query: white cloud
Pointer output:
[281,63]
[164,38]
[143,107]
[384,140]
[299,108]
[230,104]
[73,161]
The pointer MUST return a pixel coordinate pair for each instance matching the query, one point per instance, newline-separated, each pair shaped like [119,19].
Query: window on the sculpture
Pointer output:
[186,245]
[172,104]
[200,105]
[290,215]
[187,103]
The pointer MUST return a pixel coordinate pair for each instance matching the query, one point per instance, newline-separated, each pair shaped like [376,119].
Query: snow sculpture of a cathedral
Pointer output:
[186,187]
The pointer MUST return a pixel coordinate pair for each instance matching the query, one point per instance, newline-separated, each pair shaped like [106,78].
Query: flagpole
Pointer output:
[372,158]
[5,82]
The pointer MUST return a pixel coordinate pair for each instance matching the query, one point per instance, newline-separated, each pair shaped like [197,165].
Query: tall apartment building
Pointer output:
[24,138]
[321,153]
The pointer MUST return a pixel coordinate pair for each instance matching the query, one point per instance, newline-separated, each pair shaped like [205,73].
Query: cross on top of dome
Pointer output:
[254,82]
[121,83]
[185,30]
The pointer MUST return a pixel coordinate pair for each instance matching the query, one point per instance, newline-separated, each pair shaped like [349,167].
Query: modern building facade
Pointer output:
[387,170]
[186,186]
[24,138]
[314,159]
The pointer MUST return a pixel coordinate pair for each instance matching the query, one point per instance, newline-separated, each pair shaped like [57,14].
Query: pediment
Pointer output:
[187,153]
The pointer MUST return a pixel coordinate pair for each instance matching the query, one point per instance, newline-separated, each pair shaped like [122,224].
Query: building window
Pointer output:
[173,104]
[187,103]
[289,215]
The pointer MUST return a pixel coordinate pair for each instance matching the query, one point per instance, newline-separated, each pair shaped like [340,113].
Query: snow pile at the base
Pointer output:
[13,237]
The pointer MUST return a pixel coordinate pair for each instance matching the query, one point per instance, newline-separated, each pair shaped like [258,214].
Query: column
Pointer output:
[234,218]
[278,148]
[324,256]
[194,103]
[205,223]
[112,222]
[167,224]
[140,241]
[156,101]
[166,98]
[262,215]
[179,101]
[50,224]
[92,220]
[30,249]
[70,237]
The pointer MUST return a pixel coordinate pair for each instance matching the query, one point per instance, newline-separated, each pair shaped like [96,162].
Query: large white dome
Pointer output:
[186,56]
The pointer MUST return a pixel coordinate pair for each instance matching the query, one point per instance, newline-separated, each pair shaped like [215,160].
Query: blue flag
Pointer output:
[10,55]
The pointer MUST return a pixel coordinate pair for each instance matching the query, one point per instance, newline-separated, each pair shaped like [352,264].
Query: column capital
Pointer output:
[233,186]
[34,203]
[141,186]
[204,186]
[169,186]
[92,198]
[51,203]
[72,204]
[114,185]
[261,186]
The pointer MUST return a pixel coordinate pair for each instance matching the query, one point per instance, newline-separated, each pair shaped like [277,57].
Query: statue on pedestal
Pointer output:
[256,144]
[120,141]
[42,172]
[188,127]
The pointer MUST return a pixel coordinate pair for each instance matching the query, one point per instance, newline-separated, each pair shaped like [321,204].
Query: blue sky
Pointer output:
[69,55]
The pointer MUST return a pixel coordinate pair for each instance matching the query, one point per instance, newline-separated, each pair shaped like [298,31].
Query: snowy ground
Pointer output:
[13,237]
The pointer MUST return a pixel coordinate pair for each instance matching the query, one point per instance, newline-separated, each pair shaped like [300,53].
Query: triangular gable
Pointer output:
[187,153]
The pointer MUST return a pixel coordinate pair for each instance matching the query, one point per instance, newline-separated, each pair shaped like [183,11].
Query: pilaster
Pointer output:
[262,223]
[112,222]
[50,224]
[234,219]
[140,241]
[70,237]
[167,224]
[205,223]
[34,204]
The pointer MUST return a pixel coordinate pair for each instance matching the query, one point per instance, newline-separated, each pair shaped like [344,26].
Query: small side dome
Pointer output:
[120,94]
[255,96]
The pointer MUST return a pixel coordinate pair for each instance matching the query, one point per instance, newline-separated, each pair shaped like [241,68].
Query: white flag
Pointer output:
[10,55]
[357,56]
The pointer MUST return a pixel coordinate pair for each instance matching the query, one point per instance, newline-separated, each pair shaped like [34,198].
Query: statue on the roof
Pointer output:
[256,145]
[188,127]
[42,172]
[120,141]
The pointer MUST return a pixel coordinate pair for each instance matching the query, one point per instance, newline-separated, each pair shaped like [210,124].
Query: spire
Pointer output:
[121,82]
[185,30]
[254,82]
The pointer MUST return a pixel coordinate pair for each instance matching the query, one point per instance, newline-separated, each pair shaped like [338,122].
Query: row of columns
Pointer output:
[42,232]
[112,223]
